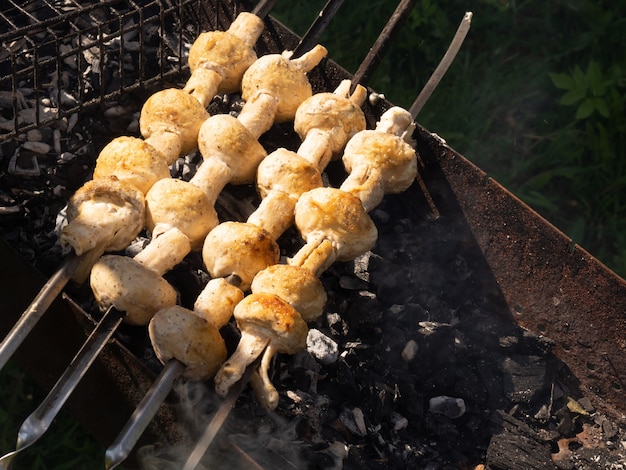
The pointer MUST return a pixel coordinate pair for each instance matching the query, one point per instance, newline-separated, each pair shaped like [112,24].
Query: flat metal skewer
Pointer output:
[442,68]
[378,49]
[120,449]
[36,425]
[263,8]
[317,28]
[50,291]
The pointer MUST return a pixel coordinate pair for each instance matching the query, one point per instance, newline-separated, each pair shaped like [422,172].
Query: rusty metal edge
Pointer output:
[553,287]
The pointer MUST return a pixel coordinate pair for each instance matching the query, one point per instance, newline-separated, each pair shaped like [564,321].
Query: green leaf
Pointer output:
[600,105]
[572,97]
[580,79]
[585,109]
[562,81]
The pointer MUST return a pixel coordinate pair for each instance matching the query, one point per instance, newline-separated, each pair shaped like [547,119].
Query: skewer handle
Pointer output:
[37,308]
[143,414]
[36,425]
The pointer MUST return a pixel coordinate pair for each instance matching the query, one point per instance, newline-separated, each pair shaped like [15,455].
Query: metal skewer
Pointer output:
[38,307]
[143,414]
[376,53]
[317,28]
[442,68]
[40,420]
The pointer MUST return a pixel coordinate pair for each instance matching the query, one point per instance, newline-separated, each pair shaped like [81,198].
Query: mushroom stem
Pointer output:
[167,144]
[264,390]
[164,251]
[203,85]
[249,348]
[316,256]
[257,115]
[211,177]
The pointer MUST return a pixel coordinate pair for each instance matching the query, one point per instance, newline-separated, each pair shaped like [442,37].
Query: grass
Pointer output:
[535,98]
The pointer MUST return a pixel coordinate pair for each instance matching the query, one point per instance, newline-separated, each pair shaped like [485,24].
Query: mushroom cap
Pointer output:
[223,53]
[174,111]
[132,160]
[332,113]
[178,333]
[241,249]
[177,203]
[388,154]
[130,287]
[279,77]
[287,172]
[270,316]
[217,301]
[103,210]
[297,286]
[224,137]
[338,216]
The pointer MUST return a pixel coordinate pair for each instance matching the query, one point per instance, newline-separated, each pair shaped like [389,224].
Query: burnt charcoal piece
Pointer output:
[515,446]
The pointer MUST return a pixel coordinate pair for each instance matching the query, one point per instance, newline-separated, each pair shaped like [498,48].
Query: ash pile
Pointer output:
[416,362]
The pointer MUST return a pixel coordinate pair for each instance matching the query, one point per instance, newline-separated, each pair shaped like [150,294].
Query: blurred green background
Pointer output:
[535,98]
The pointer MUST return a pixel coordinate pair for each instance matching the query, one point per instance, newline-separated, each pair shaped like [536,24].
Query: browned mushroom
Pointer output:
[104,215]
[132,160]
[218,59]
[381,161]
[136,285]
[178,333]
[268,325]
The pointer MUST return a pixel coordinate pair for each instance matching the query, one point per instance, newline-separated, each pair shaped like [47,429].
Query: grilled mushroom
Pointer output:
[381,161]
[283,80]
[104,214]
[295,285]
[218,59]
[170,120]
[132,160]
[240,249]
[335,227]
[174,203]
[136,285]
[268,325]
[326,121]
[178,333]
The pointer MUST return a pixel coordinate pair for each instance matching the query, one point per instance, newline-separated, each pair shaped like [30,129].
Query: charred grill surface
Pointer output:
[422,355]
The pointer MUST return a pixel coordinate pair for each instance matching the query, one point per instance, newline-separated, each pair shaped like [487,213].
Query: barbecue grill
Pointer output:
[460,262]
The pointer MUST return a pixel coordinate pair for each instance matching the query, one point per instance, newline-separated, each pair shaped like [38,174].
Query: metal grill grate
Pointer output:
[59,57]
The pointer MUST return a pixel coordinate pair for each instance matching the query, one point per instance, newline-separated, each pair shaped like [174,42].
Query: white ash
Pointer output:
[409,351]
[321,347]
[354,421]
[399,422]
[447,406]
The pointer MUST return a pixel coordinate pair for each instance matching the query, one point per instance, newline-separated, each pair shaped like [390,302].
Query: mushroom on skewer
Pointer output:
[336,227]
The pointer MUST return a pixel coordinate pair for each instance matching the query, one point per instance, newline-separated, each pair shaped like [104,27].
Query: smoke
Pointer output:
[250,438]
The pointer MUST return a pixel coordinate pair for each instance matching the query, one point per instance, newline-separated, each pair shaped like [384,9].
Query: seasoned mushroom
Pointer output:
[170,120]
[333,221]
[174,203]
[295,285]
[240,249]
[281,178]
[268,325]
[104,215]
[283,79]
[178,333]
[231,154]
[218,59]
[132,160]
[381,161]
[136,285]
[326,121]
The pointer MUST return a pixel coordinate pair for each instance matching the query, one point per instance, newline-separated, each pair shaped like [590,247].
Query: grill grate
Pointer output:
[59,57]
